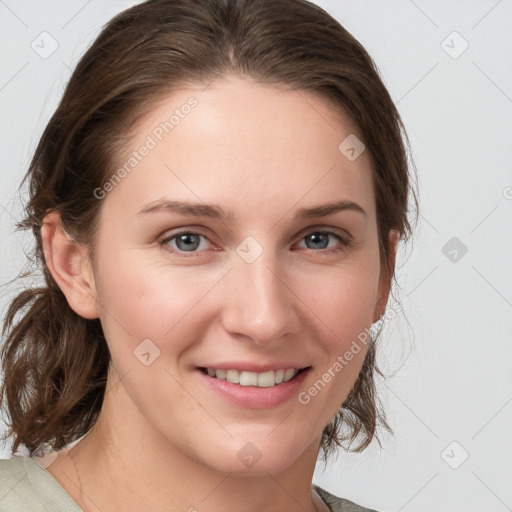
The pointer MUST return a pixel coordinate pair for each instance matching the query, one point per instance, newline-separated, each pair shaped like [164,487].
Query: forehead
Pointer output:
[244,144]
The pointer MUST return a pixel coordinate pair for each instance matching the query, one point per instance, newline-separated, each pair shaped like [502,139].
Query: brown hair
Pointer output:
[54,361]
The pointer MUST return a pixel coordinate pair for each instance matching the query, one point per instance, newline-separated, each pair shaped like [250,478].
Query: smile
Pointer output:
[263,380]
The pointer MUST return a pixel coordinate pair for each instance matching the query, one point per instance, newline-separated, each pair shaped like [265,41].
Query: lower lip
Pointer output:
[254,397]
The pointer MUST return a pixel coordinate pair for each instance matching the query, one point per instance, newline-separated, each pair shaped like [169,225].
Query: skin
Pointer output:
[262,152]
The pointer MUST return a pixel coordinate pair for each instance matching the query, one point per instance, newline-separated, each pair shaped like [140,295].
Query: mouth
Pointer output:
[268,379]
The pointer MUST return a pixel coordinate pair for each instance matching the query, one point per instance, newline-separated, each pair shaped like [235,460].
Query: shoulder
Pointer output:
[26,486]
[340,504]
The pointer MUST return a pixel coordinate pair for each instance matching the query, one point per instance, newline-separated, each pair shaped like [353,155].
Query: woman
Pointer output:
[202,333]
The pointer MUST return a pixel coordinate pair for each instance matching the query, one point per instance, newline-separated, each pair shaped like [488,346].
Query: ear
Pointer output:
[69,264]
[385,276]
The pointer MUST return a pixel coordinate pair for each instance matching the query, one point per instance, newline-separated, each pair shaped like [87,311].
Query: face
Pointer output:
[246,283]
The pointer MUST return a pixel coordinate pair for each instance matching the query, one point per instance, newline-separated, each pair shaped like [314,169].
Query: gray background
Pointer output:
[449,401]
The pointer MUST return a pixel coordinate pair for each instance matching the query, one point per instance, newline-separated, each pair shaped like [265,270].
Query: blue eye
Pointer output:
[186,241]
[192,242]
[320,240]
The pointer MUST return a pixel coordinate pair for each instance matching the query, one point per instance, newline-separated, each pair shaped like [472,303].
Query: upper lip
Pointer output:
[251,366]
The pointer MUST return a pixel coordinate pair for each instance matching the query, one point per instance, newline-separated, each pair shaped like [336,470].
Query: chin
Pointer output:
[256,455]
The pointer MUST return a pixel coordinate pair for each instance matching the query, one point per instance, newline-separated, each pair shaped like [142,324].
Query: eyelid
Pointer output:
[168,236]
[346,239]
[326,229]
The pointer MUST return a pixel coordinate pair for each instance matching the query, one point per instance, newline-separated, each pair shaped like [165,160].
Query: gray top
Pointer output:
[26,486]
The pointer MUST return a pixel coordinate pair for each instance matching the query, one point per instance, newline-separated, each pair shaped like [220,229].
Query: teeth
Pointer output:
[289,374]
[233,376]
[248,379]
[262,380]
[266,379]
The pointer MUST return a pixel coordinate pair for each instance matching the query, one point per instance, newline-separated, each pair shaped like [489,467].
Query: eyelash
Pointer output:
[345,242]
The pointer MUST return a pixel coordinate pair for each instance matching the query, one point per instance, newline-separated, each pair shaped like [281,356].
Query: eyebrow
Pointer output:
[216,212]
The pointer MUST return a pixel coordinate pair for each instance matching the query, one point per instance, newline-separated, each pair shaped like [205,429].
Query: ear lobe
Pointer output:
[69,264]
[385,277]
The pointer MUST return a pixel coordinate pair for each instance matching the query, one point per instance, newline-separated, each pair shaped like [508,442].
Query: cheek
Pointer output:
[151,301]
[342,304]
[342,298]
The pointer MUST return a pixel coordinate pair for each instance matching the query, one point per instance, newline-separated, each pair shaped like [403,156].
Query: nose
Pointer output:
[260,304]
